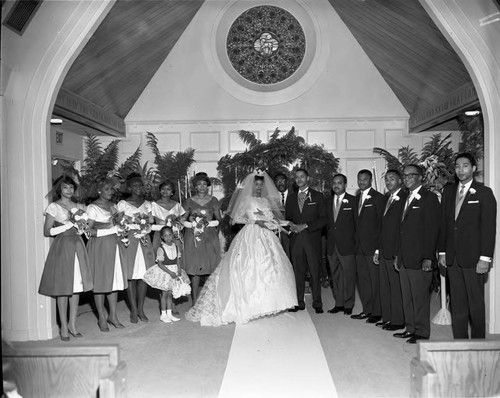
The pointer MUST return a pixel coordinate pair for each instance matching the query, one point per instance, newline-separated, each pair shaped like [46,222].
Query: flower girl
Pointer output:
[168,275]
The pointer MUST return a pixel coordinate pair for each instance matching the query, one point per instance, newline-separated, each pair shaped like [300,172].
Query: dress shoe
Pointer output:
[373,319]
[318,310]
[403,335]
[347,311]
[116,324]
[414,338]
[143,317]
[335,309]
[63,338]
[381,324]
[293,309]
[392,327]
[361,315]
[75,334]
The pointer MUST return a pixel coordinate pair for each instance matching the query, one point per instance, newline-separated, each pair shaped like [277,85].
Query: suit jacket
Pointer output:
[341,233]
[419,230]
[389,237]
[313,213]
[369,222]
[472,234]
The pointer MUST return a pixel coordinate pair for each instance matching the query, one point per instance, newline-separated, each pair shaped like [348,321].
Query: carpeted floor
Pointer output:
[186,360]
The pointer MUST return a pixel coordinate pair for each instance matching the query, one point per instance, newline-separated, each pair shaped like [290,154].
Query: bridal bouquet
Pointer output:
[175,223]
[122,222]
[271,222]
[142,220]
[200,222]
[80,219]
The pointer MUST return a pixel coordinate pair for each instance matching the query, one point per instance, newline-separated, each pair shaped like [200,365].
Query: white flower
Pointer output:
[396,198]
[143,221]
[78,218]
[74,210]
[417,196]
[472,191]
[203,212]
[368,197]
[345,201]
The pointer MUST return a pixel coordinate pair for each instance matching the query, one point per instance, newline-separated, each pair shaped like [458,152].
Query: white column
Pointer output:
[33,68]
[478,47]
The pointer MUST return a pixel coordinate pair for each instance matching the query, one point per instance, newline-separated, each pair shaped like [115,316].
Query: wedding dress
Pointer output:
[254,278]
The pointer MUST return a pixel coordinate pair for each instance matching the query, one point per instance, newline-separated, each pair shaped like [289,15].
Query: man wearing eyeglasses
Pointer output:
[466,247]
[418,235]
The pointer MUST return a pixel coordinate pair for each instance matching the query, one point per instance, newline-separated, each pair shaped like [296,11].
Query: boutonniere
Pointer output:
[345,201]
[308,197]
[472,191]
[368,197]
[417,196]
[396,198]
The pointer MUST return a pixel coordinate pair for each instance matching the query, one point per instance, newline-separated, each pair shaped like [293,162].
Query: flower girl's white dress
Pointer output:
[255,277]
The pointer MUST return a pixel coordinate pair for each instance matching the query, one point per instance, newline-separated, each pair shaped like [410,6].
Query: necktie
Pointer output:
[407,204]
[336,208]
[389,202]
[460,199]
[360,204]
[283,198]
[302,199]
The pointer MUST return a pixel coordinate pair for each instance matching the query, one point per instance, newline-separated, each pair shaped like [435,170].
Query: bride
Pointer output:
[255,277]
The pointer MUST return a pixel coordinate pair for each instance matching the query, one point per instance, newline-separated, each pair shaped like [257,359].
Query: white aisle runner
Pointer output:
[278,356]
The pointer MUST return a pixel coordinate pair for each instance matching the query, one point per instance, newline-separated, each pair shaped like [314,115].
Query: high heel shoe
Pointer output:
[63,338]
[143,317]
[133,318]
[77,334]
[104,328]
[116,324]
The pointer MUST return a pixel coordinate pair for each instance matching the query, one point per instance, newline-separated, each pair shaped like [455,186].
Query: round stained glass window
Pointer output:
[266,44]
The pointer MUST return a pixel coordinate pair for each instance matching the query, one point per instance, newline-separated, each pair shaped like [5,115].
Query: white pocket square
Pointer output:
[415,207]
[311,203]
[347,208]
[473,201]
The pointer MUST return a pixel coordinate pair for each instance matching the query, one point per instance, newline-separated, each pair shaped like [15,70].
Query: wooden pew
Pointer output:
[460,368]
[40,370]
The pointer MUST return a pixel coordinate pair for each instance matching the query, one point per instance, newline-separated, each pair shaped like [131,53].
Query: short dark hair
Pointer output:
[393,171]
[303,170]
[468,156]
[365,171]
[340,175]
[167,183]
[419,169]
[166,228]
[64,179]
[132,177]
[259,178]
[280,174]
[201,176]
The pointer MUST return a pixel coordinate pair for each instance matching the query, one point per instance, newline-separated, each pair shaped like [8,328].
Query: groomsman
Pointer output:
[466,247]
[306,210]
[368,219]
[281,182]
[387,255]
[341,247]
[418,235]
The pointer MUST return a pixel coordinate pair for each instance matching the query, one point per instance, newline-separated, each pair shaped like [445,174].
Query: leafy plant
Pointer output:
[471,135]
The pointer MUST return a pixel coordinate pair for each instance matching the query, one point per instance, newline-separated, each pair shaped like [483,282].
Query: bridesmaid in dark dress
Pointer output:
[201,249]
[107,255]
[67,272]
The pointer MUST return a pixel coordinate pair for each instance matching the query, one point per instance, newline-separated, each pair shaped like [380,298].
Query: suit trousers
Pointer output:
[306,256]
[467,302]
[343,272]
[285,243]
[390,292]
[416,293]
[367,273]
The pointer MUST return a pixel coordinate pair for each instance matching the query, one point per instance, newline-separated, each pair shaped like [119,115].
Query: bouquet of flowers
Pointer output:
[174,222]
[200,222]
[142,220]
[80,219]
[122,222]
[271,222]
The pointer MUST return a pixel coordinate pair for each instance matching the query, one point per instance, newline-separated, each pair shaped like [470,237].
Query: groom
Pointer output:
[306,211]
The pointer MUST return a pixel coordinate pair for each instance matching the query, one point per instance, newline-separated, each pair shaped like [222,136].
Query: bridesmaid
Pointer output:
[67,271]
[164,207]
[139,257]
[202,252]
[107,255]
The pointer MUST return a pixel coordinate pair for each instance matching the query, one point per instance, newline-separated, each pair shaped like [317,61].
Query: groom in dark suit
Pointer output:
[466,246]
[305,209]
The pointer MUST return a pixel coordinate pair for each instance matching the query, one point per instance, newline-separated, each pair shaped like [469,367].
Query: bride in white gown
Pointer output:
[255,277]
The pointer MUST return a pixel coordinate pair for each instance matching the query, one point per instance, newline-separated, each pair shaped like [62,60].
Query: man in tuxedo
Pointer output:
[368,219]
[467,243]
[341,245]
[305,209]
[418,236]
[281,182]
[387,254]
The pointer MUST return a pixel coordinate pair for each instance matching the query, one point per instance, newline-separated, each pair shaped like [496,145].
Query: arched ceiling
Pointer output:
[136,36]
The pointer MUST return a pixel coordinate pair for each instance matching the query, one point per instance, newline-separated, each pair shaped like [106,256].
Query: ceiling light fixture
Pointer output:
[56,121]
[472,113]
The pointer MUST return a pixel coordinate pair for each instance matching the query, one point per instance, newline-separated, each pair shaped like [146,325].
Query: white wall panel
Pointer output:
[205,142]
[326,138]
[360,139]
